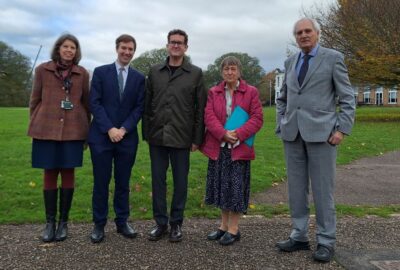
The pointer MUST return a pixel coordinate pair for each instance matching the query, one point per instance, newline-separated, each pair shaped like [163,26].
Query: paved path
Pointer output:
[363,243]
[367,181]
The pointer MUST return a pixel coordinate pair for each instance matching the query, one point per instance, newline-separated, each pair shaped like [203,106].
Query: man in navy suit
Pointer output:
[116,103]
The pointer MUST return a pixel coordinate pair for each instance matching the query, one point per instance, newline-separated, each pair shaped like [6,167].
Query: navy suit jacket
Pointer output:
[109,111]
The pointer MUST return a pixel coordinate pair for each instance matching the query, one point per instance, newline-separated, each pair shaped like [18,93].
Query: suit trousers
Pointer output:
[315,162]
[103,157]
[160,157]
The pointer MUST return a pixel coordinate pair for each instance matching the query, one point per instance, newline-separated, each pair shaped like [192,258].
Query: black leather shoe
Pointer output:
[216,235]
[323,253]
[175,234]
[292,245]
[229,238]
[97,234]
[158,232]
[127,230]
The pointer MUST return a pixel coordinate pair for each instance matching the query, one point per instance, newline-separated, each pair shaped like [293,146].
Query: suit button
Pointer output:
[61,119]
[299,93]
[298,108]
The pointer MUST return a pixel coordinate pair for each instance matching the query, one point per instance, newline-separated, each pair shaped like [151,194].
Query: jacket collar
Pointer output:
[318,56]
[242,86]
[185,64]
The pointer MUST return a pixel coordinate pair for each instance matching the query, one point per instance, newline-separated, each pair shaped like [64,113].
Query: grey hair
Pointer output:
[314,23]
[231,61]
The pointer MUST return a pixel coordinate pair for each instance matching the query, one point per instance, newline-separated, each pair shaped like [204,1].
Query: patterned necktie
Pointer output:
[303,68]
[121,82]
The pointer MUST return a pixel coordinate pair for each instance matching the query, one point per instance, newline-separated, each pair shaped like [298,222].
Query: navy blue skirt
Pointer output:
[228,183]
[47,154]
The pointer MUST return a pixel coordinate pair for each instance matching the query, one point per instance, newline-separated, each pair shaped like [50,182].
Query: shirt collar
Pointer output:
[312,53]
[237,86]
[118,66]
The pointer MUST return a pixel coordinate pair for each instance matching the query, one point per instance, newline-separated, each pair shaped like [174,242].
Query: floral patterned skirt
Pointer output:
[228,183]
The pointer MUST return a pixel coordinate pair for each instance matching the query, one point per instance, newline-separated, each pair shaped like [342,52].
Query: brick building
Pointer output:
[364,95]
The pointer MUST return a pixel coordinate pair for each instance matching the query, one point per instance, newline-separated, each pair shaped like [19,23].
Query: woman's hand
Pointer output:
[230,137]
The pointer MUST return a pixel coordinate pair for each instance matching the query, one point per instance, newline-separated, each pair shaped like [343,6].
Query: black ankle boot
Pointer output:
[50,204]
[66,195]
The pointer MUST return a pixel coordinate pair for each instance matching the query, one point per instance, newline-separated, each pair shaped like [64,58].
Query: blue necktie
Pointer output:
[303,69]
[121,82]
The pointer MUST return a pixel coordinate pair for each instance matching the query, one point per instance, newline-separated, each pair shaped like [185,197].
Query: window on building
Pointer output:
[392,96]
[367,99]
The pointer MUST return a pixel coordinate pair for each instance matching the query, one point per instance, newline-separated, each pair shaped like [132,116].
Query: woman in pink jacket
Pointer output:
[230,150]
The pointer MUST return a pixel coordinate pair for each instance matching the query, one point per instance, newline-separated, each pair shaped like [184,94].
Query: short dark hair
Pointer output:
[179,32]
[125,38]
[55,52]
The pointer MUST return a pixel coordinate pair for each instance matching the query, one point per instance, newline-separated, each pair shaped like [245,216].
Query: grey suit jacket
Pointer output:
[311,108]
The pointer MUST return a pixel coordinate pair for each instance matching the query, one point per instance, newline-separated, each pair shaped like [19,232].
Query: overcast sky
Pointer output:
[261,28]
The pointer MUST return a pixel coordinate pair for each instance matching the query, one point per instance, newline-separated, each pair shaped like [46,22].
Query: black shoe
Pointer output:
[292,245]
[126,230]
[97,234]
[62,231]
[323,253]
[175,234]
[49,232]
[216,235]
[158,232]
[229,238]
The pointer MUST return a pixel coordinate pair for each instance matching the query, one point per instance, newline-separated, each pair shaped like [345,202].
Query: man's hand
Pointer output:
[336,138]
[116,134]
[194,147]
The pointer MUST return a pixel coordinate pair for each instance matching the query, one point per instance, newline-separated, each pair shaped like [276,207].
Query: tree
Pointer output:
[252,72]
[367,33]
[14,77]
[267,89]
[149,58]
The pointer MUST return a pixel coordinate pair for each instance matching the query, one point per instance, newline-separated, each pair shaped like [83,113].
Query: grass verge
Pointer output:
[21,186]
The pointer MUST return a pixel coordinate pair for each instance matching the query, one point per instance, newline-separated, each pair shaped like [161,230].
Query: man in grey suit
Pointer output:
[311,127]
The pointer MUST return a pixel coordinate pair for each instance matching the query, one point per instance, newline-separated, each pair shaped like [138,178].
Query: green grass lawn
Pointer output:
[21,186]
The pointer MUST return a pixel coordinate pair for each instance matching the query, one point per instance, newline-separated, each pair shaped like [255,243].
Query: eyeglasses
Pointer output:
[177,43]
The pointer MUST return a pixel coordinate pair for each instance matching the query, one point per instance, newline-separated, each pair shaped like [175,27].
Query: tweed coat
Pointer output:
[48,121]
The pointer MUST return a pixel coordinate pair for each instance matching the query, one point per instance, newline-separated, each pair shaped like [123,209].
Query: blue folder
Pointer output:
[237,119]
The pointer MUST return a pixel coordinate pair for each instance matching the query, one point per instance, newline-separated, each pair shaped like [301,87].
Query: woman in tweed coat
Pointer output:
[59,123]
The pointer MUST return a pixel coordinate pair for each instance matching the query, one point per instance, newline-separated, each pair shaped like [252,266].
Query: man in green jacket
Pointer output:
[173,126]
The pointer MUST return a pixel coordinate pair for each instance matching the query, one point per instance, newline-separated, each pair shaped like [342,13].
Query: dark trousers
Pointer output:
[180,160]
[102,159]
